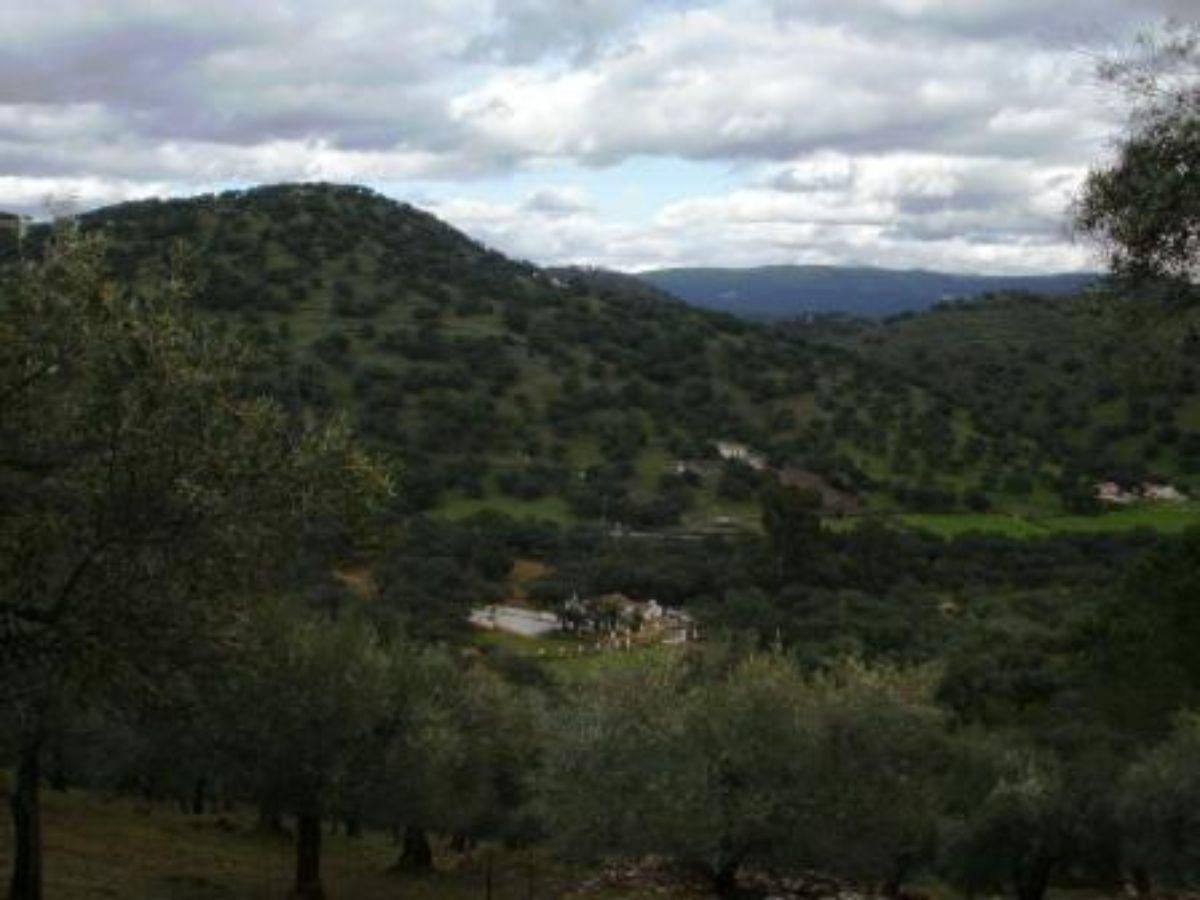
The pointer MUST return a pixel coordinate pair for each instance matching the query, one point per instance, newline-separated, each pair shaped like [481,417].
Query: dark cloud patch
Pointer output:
[522,32]
[556,202]
[1061,23]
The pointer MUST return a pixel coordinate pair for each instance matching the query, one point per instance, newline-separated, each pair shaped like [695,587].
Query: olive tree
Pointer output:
[309,713]
[1035,809]
[881,787]
[755,765]
[1159,806]
[144,497]
[492,739]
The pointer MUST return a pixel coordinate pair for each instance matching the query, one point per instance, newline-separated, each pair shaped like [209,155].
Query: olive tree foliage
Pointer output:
[1144,207]
[1159,803]
[758,765]
[1142,644]
[143,492]
[489,742]
[621,738]
[884,757]
[309,714]
[462,766]
[144,497]
[327,720]
[1019,832]
[1031,810]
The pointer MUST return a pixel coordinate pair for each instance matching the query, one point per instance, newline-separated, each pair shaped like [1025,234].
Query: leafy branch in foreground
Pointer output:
[1144,208]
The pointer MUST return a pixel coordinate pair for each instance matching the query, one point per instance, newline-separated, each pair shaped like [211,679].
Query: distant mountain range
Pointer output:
[784,292]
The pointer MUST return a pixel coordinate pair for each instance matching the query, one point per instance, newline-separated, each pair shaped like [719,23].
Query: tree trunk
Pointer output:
[895,882]
[57,776]
[1142,882]
[26,806]
[416,856]
[724,880]
[530,877]
[1032,884]
[270,819]
[353,828]
[308,858]
[199,792]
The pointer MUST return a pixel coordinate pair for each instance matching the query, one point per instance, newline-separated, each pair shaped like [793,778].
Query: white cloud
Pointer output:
[903,211]
[43,197]
[856,130]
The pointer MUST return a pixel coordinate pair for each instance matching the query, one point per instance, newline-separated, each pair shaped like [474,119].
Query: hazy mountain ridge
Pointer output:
[783,292]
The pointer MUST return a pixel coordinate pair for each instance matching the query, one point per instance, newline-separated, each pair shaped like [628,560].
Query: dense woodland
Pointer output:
[261,452]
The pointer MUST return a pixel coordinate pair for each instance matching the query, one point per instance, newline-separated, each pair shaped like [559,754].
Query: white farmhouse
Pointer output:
[1165,493]
[730,450]
[1111,492]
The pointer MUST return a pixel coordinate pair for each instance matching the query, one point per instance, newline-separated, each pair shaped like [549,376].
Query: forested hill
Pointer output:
[499,385]
[1108,383]
[784,292]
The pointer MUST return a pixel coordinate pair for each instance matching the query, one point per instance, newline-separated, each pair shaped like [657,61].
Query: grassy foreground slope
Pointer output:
[101,847]
[500,385]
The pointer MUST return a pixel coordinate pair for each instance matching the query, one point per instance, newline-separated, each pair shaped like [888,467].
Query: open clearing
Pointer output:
[1162,519]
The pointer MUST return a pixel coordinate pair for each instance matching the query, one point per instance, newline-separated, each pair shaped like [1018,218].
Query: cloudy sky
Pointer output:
[945,134]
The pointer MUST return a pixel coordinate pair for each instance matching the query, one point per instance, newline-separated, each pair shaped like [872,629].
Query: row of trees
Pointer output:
[722,760]
[856,772]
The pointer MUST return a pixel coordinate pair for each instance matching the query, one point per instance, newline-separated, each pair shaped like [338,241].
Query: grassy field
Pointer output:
[553,509]
[103,848]
[952,524]
[1162,519]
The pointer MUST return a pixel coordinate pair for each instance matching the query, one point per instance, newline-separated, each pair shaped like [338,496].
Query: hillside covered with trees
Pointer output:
[556,393]
[1105,382]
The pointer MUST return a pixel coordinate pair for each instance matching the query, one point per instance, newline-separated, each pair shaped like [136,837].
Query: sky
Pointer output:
[941,134]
